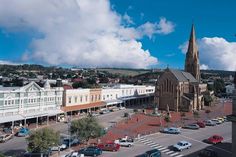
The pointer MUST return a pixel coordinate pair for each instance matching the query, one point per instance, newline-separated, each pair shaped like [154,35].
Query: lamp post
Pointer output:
[69,125]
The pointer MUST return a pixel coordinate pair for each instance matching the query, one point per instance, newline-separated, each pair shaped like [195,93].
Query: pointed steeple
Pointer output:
[192,56]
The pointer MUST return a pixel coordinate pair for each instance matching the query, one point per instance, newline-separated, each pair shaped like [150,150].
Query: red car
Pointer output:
[215,139]
[109,146]
[201,124]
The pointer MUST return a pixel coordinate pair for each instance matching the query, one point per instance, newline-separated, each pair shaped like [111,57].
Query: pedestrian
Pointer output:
[137,119]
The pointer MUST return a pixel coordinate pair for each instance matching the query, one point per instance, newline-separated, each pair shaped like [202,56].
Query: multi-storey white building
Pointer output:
[30,101]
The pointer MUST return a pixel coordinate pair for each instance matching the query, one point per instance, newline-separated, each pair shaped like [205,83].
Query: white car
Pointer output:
[182,145]
[122,108]
[125,142]
[60,147]
[74,154]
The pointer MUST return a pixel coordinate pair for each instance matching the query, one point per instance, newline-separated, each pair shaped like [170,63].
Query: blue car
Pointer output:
[23,132]
[171,130]
[91,151]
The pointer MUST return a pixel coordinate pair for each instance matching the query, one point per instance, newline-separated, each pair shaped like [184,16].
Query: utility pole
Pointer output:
[69,125]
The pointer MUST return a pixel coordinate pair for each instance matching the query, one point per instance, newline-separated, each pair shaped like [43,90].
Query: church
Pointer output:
[182,90]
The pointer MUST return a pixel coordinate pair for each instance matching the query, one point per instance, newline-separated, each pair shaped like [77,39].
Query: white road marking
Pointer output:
[174,154]
[150,144]
[154,145]
[169,152]
[165,150]
[179,155]
[159,147]
[162,148]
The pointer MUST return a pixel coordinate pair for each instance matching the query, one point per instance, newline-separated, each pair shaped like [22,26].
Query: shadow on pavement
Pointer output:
[15,153]
[222,150]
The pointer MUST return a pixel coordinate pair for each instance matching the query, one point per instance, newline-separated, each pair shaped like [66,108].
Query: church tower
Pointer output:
[192,56]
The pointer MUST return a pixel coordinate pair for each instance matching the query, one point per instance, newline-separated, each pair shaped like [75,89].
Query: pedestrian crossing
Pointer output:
[163,149]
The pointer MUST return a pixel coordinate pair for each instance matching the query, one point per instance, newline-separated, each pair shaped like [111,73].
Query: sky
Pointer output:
[117,33]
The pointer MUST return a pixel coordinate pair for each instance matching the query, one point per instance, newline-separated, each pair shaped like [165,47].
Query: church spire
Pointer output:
[192,56]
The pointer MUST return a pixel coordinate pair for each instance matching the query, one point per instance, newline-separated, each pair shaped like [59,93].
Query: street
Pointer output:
[164,142]
[18,144]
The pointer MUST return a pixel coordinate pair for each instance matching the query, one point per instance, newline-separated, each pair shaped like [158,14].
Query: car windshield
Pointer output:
[180,144]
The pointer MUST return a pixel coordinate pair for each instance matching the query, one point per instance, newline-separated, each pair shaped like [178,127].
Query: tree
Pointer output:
[207,99]
[40,140]
[86,128]
[195,115]
[167,119]
[1,155]
[219,86]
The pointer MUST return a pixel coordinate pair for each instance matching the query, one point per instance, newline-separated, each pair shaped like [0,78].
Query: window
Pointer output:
[86,98]
[75,99]
[99,97]
[92,98]
[95,97]
[81,98]
[69,100]
[103,97]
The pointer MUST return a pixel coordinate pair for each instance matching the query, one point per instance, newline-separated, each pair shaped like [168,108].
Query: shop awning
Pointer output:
[81,107]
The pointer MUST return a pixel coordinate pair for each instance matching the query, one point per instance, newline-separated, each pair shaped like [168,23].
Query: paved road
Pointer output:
[19,144]
[164,143]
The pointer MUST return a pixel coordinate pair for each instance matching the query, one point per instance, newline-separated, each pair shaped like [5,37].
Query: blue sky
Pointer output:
[27,37]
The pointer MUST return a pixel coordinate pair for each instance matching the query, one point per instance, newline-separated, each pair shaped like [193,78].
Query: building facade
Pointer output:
[30,101]
[181,90]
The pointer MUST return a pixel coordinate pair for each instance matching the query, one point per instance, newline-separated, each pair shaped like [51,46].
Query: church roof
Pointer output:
[183,76]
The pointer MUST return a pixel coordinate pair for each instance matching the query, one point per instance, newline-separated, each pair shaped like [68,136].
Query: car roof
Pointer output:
[183,142]
[152,151]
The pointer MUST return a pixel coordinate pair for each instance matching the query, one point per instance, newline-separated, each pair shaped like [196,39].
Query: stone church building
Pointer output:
[182,90]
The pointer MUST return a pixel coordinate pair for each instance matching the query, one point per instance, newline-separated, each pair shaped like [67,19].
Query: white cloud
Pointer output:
[128,19]
[215,53]
[7,62]
[204,67]
[80,32]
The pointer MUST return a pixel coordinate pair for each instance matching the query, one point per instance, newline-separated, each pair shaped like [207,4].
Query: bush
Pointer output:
[126,114]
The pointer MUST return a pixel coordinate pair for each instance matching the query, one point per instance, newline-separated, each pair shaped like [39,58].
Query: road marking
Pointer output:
[162,148]
[174,154]
[159,147]
[154,145]
[150,144]
[179,155]
[165,150]
[147,142]
[143,140]
[169,152]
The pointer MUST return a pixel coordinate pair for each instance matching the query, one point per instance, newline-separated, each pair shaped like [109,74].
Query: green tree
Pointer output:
[40,140]
[219,86]
[207,100]
[2,155]
[86,128]
[167,119]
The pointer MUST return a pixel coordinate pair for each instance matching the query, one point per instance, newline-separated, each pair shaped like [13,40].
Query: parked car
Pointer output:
[110,146]
[122,108]
[215,139]
[217,121]
[210,123]
[171,130]
[7,130]
[207,153]
[5,137]
[201,124]
[191,126]
[71,141]
[221,119]
[182,145]
[59,147]
[74,154]
[151,153]
[91,151]
[125,142]
[23,132]
[104,111]
[95,114]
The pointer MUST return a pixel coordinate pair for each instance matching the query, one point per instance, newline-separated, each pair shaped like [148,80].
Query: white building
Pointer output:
[229,89]
[30,101]
[80,100]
